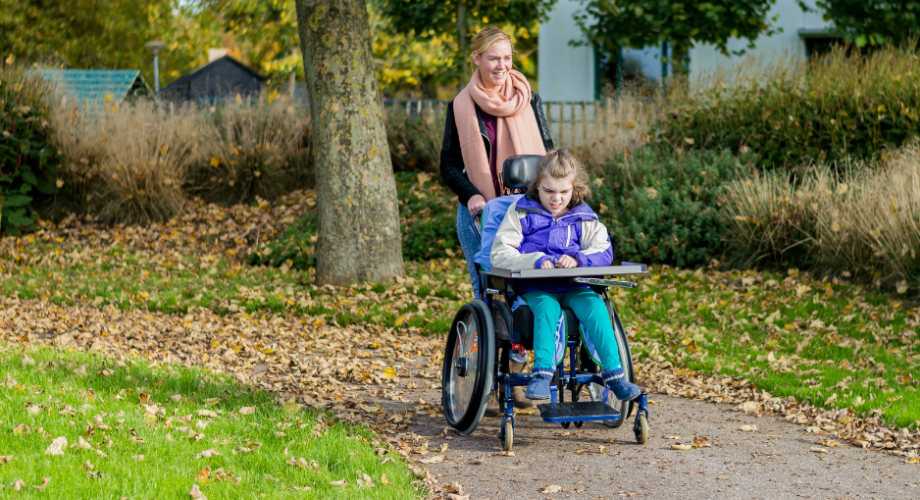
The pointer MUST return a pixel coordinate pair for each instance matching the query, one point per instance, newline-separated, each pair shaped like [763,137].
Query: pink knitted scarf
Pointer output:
[517,132]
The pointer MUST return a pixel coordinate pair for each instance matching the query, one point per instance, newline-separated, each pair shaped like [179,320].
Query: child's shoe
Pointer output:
[623,389]
[538,388]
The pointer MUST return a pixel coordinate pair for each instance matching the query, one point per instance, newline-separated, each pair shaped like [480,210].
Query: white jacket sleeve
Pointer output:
[508,238]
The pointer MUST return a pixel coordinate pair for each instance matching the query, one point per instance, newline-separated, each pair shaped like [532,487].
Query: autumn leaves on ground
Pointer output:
[195,357]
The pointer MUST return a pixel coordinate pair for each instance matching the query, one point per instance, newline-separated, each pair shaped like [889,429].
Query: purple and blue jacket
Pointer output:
[530,235]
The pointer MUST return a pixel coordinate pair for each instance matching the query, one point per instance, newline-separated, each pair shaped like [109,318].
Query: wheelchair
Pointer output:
[480,339]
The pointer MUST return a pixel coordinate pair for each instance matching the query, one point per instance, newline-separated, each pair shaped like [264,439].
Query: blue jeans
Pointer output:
[470,245]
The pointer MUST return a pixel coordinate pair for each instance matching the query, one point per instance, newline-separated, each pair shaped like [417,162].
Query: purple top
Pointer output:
[492,130]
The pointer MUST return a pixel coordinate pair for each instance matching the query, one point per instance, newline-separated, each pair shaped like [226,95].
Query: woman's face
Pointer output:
[494,64]
[555,194]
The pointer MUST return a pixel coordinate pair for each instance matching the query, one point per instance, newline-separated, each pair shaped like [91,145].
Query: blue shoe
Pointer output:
[538,388]
[622,389]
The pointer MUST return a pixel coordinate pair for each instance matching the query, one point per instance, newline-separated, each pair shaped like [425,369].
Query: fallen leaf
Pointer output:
[57,446]
[44,484]
[292,407]
[81,444]
[207,454]
[433,460]
[203,475]
[207,413]
[18,485]
[196,493]
[481,459]
[681,447]
[817,449]
[383,479]
[371,409]
[5,459]
[247,410]
[340,482]
[748,428]
[553,488]
[138,458]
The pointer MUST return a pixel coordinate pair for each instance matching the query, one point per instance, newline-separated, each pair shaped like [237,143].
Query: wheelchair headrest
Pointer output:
[518,171]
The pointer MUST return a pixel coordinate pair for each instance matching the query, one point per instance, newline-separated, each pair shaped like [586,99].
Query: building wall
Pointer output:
[567,73]
[564,73]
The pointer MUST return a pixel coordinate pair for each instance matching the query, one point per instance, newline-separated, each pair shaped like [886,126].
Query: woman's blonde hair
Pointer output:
[559,164]
[484,39]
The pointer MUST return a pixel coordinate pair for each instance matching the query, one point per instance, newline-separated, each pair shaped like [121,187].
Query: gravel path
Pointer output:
[777,460]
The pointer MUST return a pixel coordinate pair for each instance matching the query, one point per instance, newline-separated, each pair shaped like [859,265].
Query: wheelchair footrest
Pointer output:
[584,411]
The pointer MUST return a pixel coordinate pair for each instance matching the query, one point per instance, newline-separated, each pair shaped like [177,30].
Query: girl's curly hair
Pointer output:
[559,164]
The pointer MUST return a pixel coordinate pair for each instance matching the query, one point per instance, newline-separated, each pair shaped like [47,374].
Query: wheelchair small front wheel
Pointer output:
[469,362]
[641,429]
[508,436]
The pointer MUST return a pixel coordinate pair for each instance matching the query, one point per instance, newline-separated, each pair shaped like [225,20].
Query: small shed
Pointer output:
[221,78]
[91,86]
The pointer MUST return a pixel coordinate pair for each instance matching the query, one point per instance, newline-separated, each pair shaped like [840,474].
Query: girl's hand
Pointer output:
[476,204]
[566,262]
[547,264]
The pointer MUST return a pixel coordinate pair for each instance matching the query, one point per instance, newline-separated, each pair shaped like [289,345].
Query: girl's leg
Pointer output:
[546,311]
[590,310]
[470,245]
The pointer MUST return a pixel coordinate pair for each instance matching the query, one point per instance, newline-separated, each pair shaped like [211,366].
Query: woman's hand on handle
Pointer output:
[476,204]
[567,262]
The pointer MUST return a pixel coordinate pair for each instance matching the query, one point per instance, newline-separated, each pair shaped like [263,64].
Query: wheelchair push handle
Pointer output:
[474,227]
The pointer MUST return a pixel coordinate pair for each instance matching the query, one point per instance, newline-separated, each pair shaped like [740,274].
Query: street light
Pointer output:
[156,47]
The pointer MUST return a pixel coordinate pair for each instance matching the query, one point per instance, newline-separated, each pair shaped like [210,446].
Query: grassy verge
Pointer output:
[135,431]
[827,342]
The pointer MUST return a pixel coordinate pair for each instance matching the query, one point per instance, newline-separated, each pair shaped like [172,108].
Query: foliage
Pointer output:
[415,141]
[28,161]
[663,207]
[176,427]
[453,24]
[793,112]
[427,220]
[109,34]
[870,22]
[645,23]
[864,223]
[248,151]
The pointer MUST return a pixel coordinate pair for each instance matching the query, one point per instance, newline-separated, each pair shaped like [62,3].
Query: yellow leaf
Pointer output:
[389,373]
[842,189]
[631,124]
[114,107]
[108,97]
[239,99]
[689,141]
[164,149]
[319,321]
[214,161]
[401,320]
[292,407]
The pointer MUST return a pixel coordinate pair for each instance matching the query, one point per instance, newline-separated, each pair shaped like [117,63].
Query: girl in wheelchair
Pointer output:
[552,226]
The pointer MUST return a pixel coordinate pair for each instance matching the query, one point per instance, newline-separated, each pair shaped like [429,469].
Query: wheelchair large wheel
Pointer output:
[469,363]
[599,392]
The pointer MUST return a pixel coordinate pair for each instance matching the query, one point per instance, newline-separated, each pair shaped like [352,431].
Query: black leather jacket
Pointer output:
[453,170]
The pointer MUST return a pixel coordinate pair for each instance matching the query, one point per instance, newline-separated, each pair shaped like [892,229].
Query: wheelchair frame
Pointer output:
[491,368]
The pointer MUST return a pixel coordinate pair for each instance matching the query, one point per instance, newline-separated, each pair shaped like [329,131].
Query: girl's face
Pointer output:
[555,194]
[494,64]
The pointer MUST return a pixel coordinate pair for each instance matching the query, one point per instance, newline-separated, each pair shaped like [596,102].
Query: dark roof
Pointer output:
[201,69]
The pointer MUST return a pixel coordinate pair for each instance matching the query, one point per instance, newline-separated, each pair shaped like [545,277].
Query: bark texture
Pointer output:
[358,215]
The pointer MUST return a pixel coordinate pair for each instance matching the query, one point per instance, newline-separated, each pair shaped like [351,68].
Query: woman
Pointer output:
[495,116]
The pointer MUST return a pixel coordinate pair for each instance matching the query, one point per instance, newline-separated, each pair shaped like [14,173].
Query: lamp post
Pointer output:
[156,47]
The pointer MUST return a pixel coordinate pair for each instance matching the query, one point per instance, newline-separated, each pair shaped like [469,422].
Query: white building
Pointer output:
[568,73]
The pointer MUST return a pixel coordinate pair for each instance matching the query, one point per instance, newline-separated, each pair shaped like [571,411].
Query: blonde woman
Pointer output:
[495,116]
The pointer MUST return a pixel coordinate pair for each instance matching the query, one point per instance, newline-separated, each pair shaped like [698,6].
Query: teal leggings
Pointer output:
[588,308]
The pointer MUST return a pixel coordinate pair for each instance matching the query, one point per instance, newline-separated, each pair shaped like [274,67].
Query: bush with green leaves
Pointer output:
[662,206]
[843,105]
[427,220]
[28,162]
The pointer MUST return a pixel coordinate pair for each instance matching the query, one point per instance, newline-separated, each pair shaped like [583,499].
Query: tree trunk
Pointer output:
[358,216]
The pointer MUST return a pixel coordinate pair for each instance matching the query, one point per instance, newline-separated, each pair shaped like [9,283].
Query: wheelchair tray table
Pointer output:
[626,268]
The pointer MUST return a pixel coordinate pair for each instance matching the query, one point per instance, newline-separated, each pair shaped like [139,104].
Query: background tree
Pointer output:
[870,22]
[358,219]
[108,34]
[454,22]
[614,24]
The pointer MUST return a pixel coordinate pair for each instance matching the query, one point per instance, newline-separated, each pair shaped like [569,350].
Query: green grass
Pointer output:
[61,393]
[788,335]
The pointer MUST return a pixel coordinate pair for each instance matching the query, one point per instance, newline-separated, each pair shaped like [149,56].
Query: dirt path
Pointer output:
[777,460]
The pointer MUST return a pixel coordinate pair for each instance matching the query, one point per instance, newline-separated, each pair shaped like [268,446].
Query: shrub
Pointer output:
[415,141]
[125,163]
[794,112]
[427,221]
[248,151]
[863,223]
[662,206]
[28,161]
